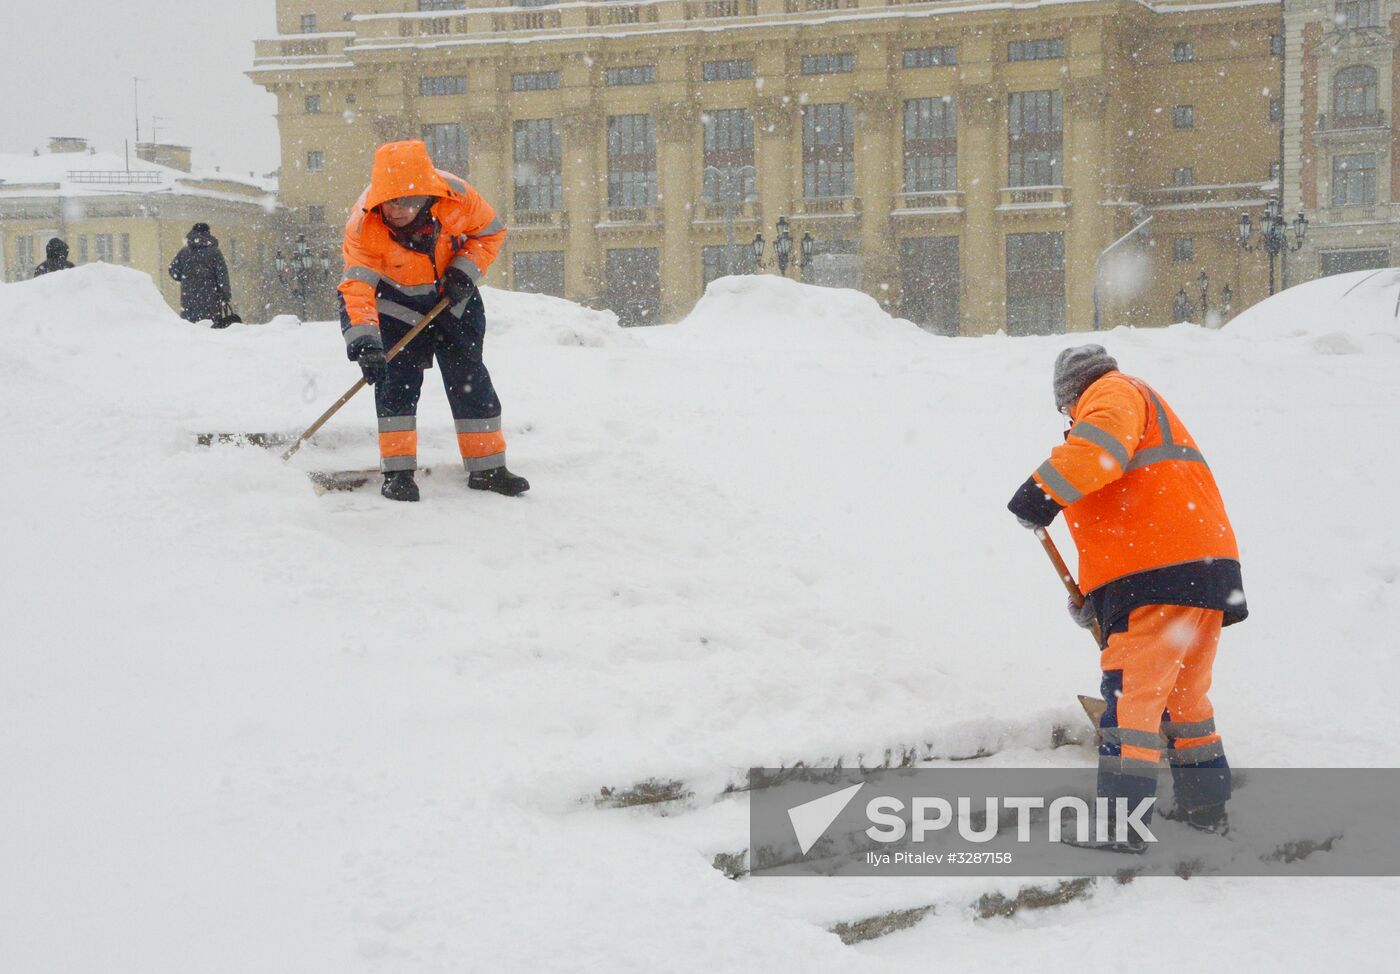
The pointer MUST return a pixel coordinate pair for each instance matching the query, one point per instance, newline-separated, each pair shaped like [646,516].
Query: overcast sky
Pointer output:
[69,65]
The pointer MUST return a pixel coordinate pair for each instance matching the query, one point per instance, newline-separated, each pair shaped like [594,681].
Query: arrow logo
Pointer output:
[810,820]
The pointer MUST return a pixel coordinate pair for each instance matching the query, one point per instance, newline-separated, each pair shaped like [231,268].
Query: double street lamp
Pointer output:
[1273,233]
[782,246]
[300,269]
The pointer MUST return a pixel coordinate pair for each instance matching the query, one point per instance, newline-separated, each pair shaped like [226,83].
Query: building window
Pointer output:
[736,70]
[1276,45]
[1035,131]
[930,57]
[539,271]
[1275,170]
[125,251]
[929,283]
[82,248]
[722,261]
[1183,117]
[24,258]
[1035,283]
[1354,179]
[1352,14]
[308,23]
[1183,249]
[1276,109]
[316,214]
[539,154]
[930,145]
[633,285]
[1183,176]
[315,162]
[828,150]
[640,74]
[1354,93]
[447,145]
[828,63]
[1041,49]
[102,245]
[631,160]
[1346,261]
[430,86]
[313,104]
[535,81]
[728,137]
[1183,51]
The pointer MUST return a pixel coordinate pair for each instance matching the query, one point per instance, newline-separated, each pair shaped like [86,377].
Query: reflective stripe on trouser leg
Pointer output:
[398,443]
[482,443]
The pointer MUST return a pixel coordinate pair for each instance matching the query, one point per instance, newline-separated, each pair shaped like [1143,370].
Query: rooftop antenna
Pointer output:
[155,136]
[136,104]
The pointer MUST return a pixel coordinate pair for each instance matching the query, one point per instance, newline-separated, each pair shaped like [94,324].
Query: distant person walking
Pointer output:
[203,277]
[55,258]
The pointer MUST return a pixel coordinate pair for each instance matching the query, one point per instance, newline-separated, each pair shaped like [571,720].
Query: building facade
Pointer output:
[136,212]
[1339,159]
[966,165]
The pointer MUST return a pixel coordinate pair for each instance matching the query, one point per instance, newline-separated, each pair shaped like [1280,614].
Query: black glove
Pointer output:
[369,353]
[1083,614]
[1032,506]
[457,286]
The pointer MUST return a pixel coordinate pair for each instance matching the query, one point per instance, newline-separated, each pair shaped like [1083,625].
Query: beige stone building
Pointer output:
[966,164]
[136,211]
[1339,161]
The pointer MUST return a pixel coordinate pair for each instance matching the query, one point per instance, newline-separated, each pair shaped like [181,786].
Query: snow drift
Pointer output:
[248,728]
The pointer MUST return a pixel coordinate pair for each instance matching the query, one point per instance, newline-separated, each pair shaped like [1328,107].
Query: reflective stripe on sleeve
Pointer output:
[1056,482]
[467,266]
[360,273]
[492,228]
[355,332]
[1102,439]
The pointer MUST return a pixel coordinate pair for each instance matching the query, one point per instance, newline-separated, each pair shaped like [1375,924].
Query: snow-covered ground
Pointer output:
[246,728]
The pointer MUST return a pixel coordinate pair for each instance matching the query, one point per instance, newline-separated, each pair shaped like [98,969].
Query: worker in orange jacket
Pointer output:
[417,234]
[1160,572]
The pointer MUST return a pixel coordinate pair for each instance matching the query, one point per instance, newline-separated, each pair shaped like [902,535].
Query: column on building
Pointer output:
[585,181]
[980,177]
[678,149]
[777,156]
[1090,223]
[877,181]
[489,144]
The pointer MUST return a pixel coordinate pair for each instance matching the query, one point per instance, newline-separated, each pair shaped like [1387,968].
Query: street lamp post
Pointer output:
[1273,233]
[729,190]
[782,246]
[1204,282]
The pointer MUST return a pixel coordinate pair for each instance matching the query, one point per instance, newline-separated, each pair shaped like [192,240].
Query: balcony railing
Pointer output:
[127,176]
[828,206]
[939,201]
[801,6]
[632,216]
[718,9]
[526,20]
[539,220]
[614,14]
[709,211]
[1034,197]
[1364,120]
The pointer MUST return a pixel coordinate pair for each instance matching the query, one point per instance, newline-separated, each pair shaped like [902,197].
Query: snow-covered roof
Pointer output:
[67,174]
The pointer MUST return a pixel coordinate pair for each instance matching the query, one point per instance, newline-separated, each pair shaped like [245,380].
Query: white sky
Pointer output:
[74,61]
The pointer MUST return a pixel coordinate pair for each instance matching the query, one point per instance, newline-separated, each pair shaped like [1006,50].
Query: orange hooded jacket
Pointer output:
[383,278]
[1141,504]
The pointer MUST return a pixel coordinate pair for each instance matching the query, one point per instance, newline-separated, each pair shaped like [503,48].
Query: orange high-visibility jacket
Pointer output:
[383,278]
[1141,503]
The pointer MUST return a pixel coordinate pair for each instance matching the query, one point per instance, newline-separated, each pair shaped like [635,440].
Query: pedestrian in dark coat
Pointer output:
[203,276]
[55,258]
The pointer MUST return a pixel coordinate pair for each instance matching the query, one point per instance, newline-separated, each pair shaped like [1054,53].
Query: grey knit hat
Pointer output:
[1075,370]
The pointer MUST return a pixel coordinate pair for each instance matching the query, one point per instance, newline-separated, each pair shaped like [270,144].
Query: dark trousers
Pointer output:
[455,341]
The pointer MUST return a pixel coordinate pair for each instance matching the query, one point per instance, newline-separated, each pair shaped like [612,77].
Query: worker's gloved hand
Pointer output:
[457,286]
[369,353]
[1028,524]
[1083,614]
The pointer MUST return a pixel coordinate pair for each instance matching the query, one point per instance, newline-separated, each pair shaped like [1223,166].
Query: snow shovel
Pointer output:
[413,333]
[1093,707]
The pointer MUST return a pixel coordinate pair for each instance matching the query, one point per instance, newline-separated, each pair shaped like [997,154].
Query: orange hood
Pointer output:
[403,169]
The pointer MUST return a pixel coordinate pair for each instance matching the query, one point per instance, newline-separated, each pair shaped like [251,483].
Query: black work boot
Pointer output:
[1208,818]
[399,486]
[499,479]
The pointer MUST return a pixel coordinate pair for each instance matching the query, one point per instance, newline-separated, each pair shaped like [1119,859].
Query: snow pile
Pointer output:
[273,731]
[1345,314]
[774,312]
